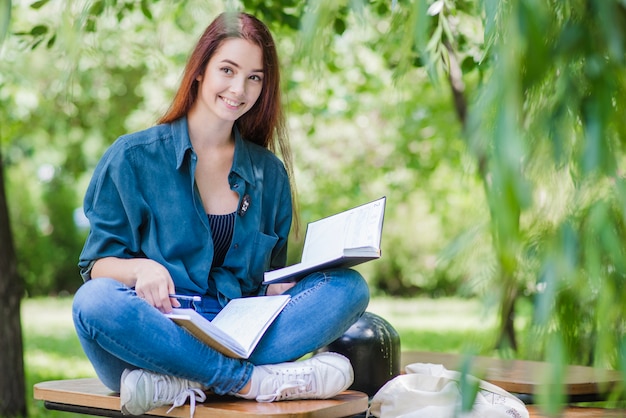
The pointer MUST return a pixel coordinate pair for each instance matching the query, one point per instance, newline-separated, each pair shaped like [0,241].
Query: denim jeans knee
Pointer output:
[323,306]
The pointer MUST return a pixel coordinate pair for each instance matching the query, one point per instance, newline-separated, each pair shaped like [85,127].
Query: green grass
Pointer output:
[52,350]
[443,325]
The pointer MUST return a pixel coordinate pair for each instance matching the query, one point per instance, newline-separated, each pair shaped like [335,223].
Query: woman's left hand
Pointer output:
[278,288]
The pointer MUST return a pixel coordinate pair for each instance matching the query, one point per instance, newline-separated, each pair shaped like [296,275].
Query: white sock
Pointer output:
[258,374]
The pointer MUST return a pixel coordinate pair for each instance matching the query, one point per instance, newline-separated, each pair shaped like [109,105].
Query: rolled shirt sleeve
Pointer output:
[113,212]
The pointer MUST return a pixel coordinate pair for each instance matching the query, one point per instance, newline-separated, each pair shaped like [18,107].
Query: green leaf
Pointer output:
[39,30]
[292,22]
[97,8]
[5,18]
[435,39]
[446,28]
[491,17]
[36,44]
[51,41]
[339,25]
[145,9]
[469,390]
[39,4]
[468,64]
[90,25]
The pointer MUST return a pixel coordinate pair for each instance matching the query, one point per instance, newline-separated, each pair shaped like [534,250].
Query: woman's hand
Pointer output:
[278,288]
[151,280]
[154,284]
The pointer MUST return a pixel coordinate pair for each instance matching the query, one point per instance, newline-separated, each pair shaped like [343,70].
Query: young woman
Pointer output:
[199,204]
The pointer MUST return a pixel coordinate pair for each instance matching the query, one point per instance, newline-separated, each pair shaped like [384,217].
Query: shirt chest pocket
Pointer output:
[252,258]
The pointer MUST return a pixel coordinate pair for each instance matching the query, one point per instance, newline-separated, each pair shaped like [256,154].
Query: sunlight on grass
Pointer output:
[47,315]
[54,365]
[449,314]
[444,325]
[51,347]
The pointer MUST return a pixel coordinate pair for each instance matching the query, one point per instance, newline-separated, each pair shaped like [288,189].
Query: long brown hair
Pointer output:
[264,124]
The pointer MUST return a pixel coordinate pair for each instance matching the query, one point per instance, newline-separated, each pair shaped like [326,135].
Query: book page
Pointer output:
[246,319]
[343,240]
[324,239]
[206,331]
[363,226]
[355,228]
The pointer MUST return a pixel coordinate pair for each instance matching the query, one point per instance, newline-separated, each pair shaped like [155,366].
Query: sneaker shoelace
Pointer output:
[287,386]
[176,391]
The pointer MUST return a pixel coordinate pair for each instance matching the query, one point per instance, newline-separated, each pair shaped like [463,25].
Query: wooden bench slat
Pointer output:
[523,376]
[579,412]
[92,393]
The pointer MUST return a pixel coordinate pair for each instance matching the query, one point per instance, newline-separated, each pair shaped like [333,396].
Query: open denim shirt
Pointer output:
[143,202]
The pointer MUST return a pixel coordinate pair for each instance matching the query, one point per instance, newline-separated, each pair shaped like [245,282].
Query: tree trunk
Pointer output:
[12,380]
[507,338]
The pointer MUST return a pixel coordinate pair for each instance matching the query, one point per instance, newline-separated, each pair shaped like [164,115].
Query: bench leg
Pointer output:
[88,410]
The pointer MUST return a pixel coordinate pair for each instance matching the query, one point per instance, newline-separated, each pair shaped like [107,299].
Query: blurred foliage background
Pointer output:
[71,87]
[495,129]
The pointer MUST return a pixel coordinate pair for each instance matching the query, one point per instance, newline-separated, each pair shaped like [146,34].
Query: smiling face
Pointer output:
[232,81]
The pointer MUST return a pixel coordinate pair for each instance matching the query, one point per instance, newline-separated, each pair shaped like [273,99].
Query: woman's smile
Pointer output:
[231,103]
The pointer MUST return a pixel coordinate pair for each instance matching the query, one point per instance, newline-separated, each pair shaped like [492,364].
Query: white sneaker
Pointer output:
[320,377]
[142,390]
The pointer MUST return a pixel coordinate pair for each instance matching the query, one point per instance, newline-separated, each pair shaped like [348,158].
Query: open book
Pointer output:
[342,240]
[237,329]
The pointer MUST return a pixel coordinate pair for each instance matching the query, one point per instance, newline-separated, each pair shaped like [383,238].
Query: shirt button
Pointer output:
[236,246]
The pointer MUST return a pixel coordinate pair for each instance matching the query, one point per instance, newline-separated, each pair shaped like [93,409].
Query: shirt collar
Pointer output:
[183,144]
[242,161]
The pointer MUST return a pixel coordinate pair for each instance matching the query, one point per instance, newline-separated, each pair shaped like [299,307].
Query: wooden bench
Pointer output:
[520,377]
[524,378]
[579,412]
[89,396]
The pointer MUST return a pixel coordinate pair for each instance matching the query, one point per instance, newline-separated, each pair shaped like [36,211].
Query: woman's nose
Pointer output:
[238,86]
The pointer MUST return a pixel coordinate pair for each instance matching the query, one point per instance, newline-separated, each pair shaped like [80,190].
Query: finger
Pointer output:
[175,303]
[163,302]
[163,305]
[171,290]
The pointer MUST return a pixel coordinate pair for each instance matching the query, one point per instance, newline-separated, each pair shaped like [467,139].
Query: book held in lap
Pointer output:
[238,328]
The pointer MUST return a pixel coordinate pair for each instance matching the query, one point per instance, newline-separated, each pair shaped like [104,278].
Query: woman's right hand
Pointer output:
[151,280]
[154,285]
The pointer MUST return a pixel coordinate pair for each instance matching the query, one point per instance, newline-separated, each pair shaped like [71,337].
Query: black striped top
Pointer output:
[222,227]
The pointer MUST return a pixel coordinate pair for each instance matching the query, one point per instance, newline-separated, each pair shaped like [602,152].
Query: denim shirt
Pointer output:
[142,201]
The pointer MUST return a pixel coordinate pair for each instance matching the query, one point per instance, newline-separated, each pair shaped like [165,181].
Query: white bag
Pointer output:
[431,391]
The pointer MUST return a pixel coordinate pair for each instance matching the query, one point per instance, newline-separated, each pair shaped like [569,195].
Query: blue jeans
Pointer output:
[118,330]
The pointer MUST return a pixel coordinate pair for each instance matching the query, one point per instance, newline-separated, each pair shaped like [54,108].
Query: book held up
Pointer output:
[238,328]
[345,239]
